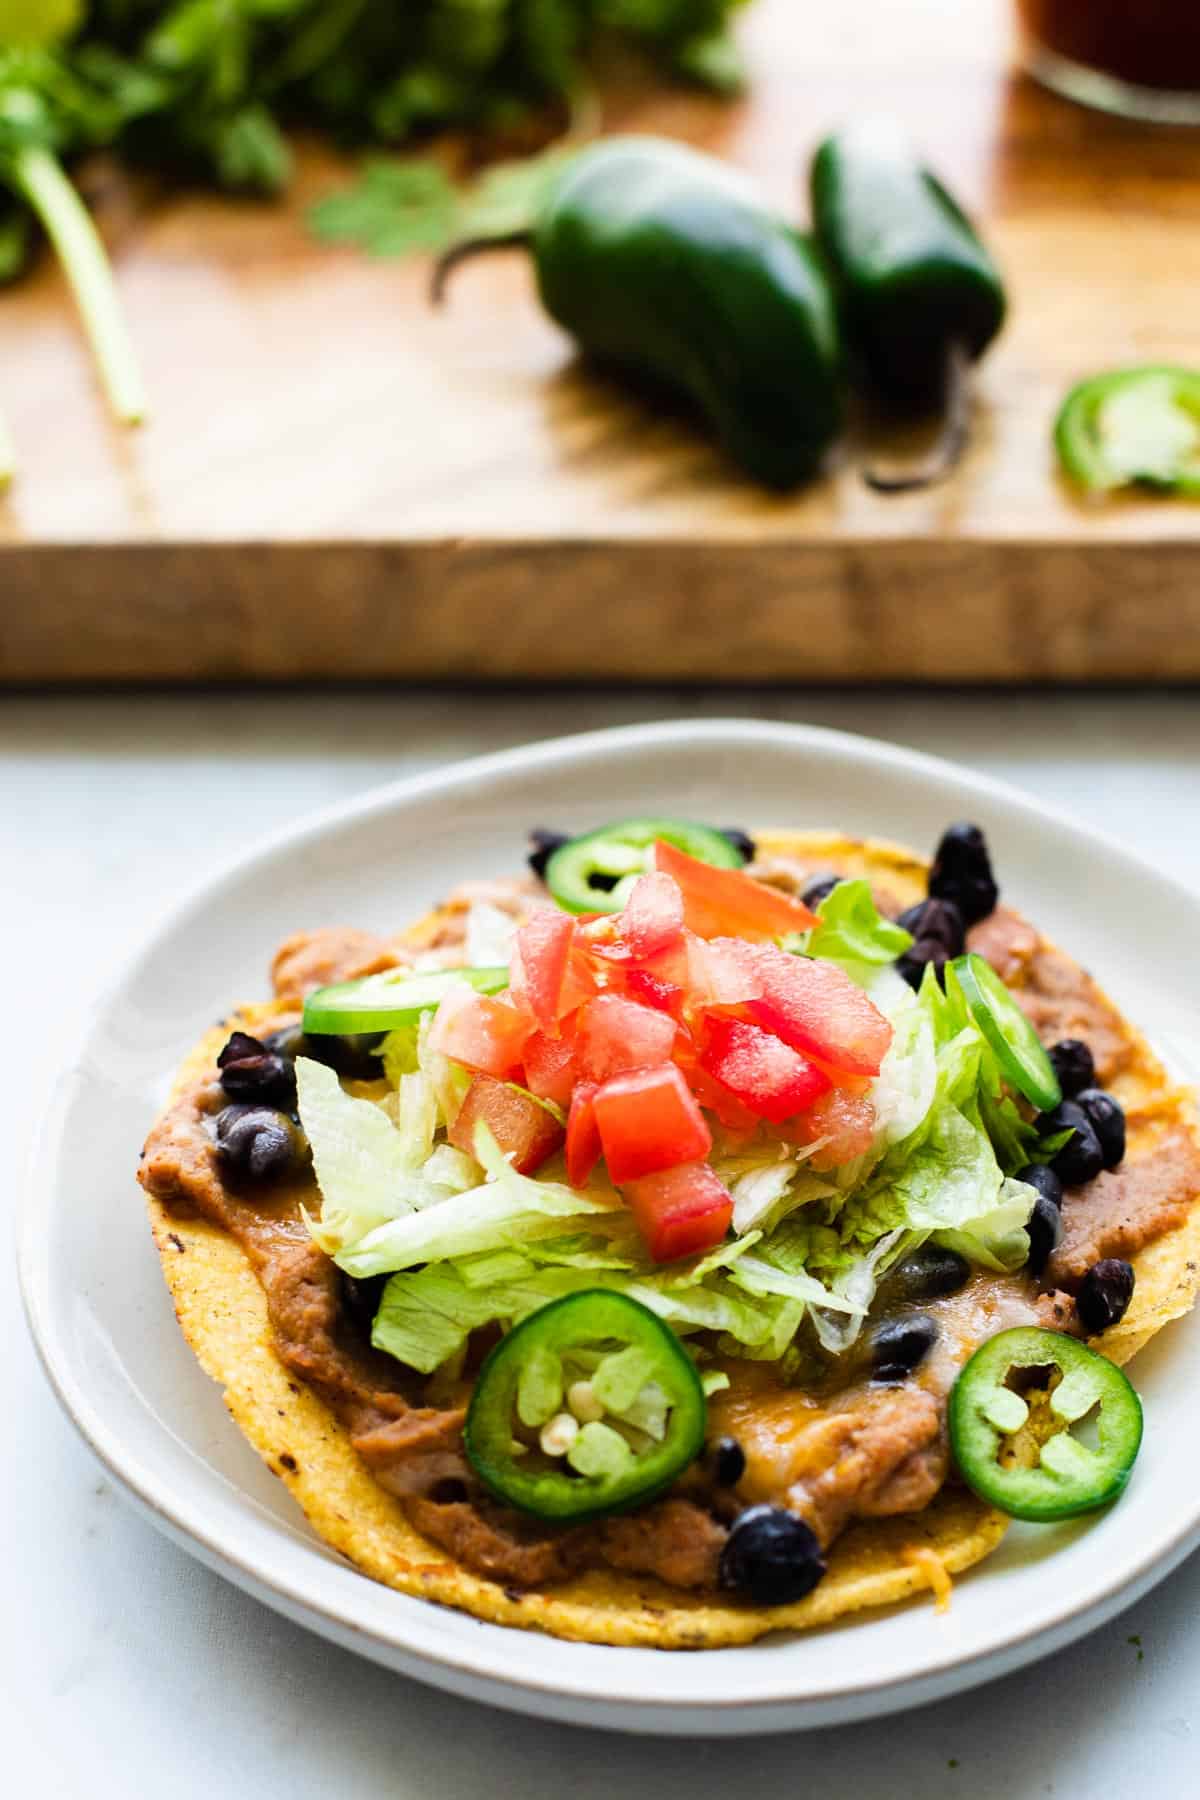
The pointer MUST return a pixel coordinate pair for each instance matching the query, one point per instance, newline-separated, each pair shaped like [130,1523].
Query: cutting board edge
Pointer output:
[819,610]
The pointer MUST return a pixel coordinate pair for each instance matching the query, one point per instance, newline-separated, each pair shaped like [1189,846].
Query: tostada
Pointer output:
[699,1235]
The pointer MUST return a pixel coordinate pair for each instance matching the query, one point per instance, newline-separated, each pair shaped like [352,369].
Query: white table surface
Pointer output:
[128,1670]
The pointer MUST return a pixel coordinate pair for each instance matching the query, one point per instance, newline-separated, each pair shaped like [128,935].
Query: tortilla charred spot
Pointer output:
[176,1242]
[288,1462]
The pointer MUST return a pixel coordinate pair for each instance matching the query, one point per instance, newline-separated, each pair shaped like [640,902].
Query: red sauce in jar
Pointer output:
[1152,43]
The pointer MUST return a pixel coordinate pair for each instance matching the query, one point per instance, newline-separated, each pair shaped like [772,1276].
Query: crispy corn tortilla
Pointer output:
[223,1315]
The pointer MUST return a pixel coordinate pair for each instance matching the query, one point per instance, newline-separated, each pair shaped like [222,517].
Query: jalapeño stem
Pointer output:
[947,452]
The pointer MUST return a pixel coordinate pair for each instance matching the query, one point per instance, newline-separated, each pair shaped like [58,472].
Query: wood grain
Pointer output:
[338,483]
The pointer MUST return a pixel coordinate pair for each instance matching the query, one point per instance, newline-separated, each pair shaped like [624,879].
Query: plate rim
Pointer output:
[466,1667]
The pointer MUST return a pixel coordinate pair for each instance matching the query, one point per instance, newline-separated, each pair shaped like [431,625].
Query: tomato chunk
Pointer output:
[484,1034]
[729,902]
[771,1079]
[525,1131]
[649,1120]
[723,971]
[550,1065]
[584,1148]
[737,1119]
[815,1007]
[615,1033]
[845,1121]
[652,990]
[653,917]
[541,956]
[680,1212]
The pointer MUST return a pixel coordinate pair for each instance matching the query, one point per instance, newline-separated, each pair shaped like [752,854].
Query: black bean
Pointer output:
[240,1044]
[542,845]
[360,1300]
[1081,1157]
[939,921]
[1042,1177]
[899,1345]
[353,1057]
[727,1461]
[741,840]
[938,935]
[928,1273]
[1073,1064]
[962,872]
[258,1076]
[449,1491]
[1104,1294]
[288,1041]
[914,961]
[1045,1233]
[257,1142]
[819,890]
[1108,1122]
[771,1556]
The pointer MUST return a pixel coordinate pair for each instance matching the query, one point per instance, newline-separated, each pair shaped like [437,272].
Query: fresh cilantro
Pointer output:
[395,207]
[208,89]
[391,209]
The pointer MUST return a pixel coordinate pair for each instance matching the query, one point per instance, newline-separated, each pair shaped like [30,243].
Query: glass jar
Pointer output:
[1140,58]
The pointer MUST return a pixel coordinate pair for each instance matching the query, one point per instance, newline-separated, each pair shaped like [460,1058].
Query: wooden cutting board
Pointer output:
[338,483]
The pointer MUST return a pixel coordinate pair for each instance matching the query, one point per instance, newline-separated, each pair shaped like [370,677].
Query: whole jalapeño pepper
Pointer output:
[921,297]
[659,261]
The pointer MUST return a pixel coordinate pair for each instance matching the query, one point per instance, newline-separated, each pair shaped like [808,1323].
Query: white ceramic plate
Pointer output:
[107,1334]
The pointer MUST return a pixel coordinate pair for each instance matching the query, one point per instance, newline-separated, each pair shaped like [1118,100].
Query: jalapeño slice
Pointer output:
[594,873]
[591,1405]
[1133,427]
[1069,1477]
[1016,1044]
[393,998]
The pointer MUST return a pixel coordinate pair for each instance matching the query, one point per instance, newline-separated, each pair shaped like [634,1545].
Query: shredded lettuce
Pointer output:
[506,1209]
[904,1089]
[369,1171]
[399,1053]
[489,937]
[850,932]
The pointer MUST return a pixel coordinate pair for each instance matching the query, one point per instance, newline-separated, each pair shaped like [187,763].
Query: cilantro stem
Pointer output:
[68,224]
[8,455]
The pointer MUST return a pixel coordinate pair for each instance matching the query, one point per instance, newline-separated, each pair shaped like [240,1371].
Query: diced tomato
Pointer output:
[649,1120]
[723,971]
[846,1120]
[680,1212]
[541,956]
[773,1080]
[737,1119]
[584,1148]
[580,982]
[815,1007]
[652,990]
[484,1034]
[525,1131]
[653,915]
[717,902]
[615,1033]
[550,1064]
